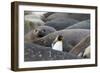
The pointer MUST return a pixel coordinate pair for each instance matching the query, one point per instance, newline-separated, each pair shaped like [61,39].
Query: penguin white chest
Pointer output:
[58,46]
[87,52]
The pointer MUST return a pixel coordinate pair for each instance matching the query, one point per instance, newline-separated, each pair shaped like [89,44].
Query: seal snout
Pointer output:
[41,33]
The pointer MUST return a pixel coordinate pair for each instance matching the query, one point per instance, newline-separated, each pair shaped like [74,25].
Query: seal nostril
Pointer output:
[40,34]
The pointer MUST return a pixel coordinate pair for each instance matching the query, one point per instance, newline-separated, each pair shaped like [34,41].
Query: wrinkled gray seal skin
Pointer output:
[71,38]
[33,52]
[61,23]
[76,16]
[46,15]
[81,25]
[38,32]
[56,15]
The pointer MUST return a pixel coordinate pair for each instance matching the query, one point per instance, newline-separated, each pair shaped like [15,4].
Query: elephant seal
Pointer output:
[40,14]
[39,32]
[56,15]
[32,21]
[81,25]
[71,38]
[77,16]
[34,52]
[42,31]
[61,23]
[48,14]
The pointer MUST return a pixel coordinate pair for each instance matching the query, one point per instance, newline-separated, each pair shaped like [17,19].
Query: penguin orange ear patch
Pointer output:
[52,36]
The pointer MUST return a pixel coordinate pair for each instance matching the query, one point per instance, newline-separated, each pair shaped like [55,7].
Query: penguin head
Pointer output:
[60,38]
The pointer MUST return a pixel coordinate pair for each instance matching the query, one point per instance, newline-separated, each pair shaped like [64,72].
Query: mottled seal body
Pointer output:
[61,23]
[81,25]
[71,38]
[56,15]
[76,16]
[39,32]
[34,52]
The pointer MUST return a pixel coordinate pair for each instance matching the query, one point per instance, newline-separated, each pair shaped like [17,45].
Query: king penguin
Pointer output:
[58,43]
[86,53]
